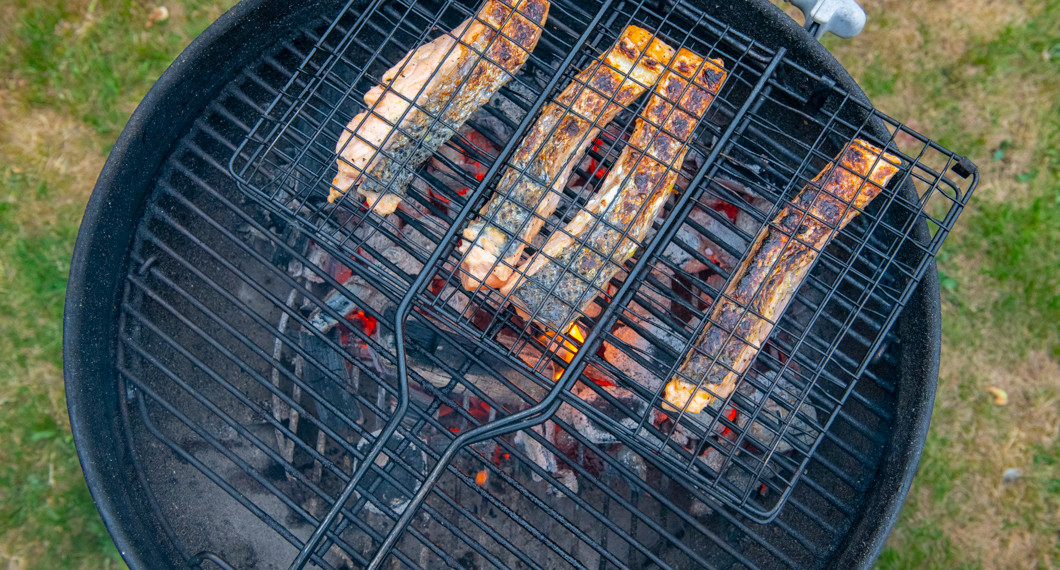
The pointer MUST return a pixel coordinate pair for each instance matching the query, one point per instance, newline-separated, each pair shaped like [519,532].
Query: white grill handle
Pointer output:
[844,18]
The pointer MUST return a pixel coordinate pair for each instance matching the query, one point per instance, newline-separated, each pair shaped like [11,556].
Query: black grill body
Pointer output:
[166,183]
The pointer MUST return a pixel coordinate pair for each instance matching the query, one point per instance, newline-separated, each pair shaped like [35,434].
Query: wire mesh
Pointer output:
[315,340]
[751,445]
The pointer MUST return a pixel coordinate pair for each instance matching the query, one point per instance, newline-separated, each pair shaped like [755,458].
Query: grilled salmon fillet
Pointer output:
[767,278]
[449,78]
[530,187]
[576,263]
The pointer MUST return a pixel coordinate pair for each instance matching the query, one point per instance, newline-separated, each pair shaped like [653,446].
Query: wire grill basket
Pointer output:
[772,128]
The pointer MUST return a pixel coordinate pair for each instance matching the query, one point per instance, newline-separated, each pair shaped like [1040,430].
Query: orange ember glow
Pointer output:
[730,211]
[726,431]
[481,477]
[576,333]
[567,350]
[368,322]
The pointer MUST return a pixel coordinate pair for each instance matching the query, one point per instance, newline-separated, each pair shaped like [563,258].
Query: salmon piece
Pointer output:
[767,278]
[530,187]
[575,264]
[457,72]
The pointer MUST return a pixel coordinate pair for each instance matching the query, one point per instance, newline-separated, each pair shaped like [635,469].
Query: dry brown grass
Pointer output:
[905,38]
[926,63]
[1000,525]
[54,148]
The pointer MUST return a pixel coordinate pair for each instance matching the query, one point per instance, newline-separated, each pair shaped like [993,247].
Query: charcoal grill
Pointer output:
[258,379]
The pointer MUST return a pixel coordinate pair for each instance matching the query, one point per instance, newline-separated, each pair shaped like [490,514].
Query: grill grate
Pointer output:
[773,127]
[262,334]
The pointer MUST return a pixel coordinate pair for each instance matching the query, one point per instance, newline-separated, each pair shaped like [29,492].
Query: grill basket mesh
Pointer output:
[773,127]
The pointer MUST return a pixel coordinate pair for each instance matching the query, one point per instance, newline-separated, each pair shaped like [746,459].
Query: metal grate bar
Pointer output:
[220,322]
[206,471]
[813,369]
[549,404]
[219,379]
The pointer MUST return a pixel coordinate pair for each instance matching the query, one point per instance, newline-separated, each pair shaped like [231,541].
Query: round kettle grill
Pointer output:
[246,390]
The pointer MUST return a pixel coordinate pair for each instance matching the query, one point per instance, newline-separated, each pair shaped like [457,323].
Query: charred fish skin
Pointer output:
[530,187]
[569,271]
[381,148]
[778,261]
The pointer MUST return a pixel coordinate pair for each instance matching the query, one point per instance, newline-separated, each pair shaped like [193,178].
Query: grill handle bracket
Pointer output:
[844,18]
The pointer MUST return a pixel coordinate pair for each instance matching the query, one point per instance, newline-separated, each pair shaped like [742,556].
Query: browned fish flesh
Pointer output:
[576,263]
[453,75]
[530,187]
[776,264]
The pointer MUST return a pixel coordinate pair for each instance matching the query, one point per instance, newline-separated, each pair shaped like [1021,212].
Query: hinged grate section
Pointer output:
[751,445]
[771,129]
[322,365]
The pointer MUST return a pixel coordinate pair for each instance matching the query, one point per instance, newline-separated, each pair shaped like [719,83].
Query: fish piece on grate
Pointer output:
[530,187]
[771,271]
[453,75]
[577,262]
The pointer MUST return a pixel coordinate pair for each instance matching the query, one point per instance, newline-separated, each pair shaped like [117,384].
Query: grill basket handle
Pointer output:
[844,18]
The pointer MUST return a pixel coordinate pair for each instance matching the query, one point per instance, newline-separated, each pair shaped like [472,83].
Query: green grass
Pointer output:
[95,60]
[72,72]
[981,77]
[995,97]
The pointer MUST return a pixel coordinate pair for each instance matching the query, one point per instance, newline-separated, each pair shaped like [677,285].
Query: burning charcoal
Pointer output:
[713,459]
[568,479]
[323,358]
[590,429]
[633,461]
[394,497]
[620,355]
[345,306]
[511,110]
[678,250]
[654,328]
[738,478]
[621,359]
[748,223]
[700,509]
[536,452]
[681,436]
[317,257]
[380,243]
[718,233]
[467,169]
[774,413]
[430,355]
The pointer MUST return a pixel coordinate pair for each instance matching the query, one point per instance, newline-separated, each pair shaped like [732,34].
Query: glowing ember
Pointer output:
[566,349]
[481,477]
[437,283]
[730,210]
[593,167]
[367,322]
[732,418]
[361,321]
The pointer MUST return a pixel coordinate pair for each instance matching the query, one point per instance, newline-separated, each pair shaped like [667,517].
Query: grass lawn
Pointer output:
[983,77]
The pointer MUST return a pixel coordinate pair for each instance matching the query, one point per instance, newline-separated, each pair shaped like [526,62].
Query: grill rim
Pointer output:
[101,257]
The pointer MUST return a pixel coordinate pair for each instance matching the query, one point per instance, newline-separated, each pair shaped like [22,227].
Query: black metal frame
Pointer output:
[147,270]
[861,259]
